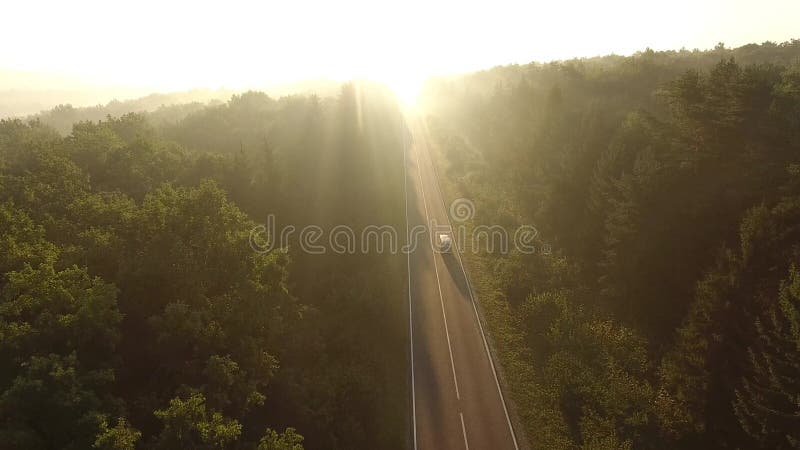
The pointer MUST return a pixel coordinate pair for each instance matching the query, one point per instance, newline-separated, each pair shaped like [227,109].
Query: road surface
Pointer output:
[457,402]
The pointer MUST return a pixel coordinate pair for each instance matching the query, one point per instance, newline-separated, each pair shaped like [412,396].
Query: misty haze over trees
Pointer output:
[134,313]
[61,103]
[667,185]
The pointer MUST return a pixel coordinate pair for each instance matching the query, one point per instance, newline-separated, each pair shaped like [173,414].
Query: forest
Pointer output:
[134,313]
[667,184]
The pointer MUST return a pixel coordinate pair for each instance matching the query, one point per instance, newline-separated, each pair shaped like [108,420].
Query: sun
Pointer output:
[406,88]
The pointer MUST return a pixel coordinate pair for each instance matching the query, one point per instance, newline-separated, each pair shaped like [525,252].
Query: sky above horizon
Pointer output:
[237,44]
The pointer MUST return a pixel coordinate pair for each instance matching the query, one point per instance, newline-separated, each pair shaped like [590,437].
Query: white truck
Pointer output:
[444,242]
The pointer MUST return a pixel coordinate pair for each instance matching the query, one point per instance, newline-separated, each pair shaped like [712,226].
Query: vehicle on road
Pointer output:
[445,243]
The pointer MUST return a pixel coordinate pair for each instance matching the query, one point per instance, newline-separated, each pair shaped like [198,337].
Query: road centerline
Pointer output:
[464,430]
[438,282]
[471,296]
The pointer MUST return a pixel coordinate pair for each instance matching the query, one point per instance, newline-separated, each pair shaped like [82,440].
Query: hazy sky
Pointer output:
[235,44]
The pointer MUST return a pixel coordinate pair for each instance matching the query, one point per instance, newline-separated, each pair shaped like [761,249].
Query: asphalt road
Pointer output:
[457,401]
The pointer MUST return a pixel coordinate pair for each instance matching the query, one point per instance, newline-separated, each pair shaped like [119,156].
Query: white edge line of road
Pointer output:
[438,282]
[408,266]
[474,307]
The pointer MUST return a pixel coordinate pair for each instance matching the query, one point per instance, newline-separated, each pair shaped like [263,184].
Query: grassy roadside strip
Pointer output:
[505,336]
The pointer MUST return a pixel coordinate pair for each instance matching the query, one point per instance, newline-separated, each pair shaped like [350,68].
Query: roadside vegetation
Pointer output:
[668,186]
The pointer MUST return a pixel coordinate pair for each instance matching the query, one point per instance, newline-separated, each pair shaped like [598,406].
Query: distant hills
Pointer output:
[60,101]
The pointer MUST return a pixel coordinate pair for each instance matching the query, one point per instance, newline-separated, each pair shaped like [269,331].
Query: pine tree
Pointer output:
[768,402]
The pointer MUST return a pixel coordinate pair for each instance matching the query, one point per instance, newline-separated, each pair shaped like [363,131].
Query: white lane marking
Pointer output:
[472,299]
[410,320]
[438,283]
[464,430]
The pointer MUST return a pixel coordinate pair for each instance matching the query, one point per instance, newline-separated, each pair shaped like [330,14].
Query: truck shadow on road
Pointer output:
[454,268]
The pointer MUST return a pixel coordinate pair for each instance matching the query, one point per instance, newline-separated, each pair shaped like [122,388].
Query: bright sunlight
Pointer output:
[407,89]
[168,46]
[300,224]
